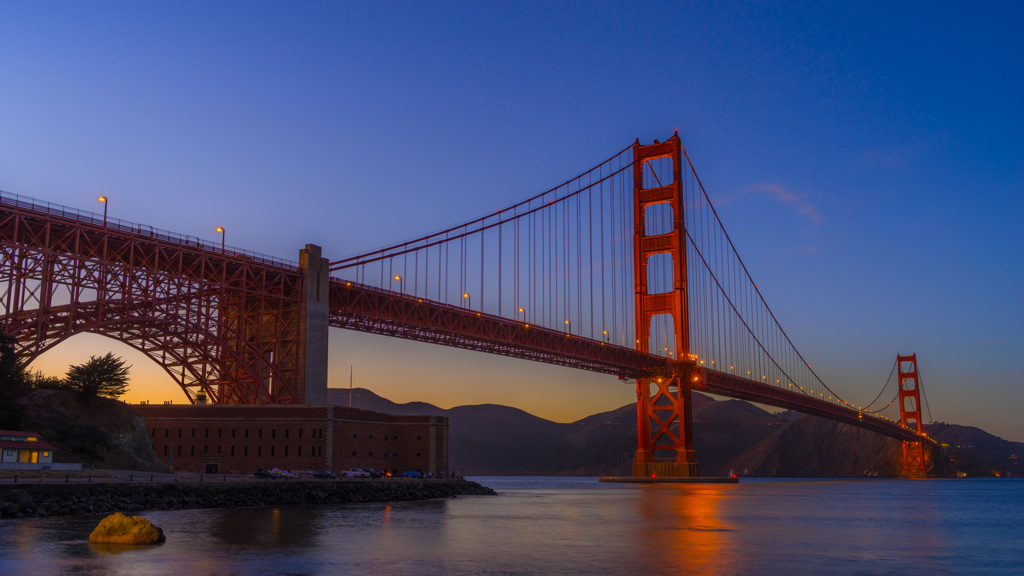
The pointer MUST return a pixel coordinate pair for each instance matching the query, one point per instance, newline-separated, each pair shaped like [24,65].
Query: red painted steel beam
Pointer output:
[723,384]
[209,316]
[367,309]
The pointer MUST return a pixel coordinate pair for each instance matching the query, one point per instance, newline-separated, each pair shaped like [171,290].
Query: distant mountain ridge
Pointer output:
[730,436]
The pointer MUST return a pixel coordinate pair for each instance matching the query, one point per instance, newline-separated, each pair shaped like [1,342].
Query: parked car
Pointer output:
[263,473]
[324,475]
[412,474]
[305,473]
[355,473]
[283,474]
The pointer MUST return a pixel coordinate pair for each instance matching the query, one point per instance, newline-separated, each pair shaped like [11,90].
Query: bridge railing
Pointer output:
[126,226]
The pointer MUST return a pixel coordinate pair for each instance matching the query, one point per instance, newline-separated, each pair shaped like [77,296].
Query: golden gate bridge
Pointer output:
[625,269]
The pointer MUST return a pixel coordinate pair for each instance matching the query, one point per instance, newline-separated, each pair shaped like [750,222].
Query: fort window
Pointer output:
[206,433]
[285,451]
[218,448]
[354,435]
[220,432]
[369,454]
[271,451]
[232,432]
[232,451]
[191,450]
[371,437]
[259,451]
[179,432]
[260,433]
[166,432]
[179,449]
[153,435]
[193,432]
[394,454]
[246,433]
[245,451]
[419,454]
[206,448]
[353,453]
[286,431]
[165,450]
[273,432]
[419,437]
[300,432]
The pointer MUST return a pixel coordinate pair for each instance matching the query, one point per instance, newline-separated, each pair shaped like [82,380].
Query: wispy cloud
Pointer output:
[784,196]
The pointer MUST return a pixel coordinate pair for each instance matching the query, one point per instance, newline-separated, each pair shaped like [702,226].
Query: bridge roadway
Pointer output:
[355,306]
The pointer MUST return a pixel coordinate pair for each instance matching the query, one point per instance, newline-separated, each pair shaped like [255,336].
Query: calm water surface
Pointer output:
[573,526]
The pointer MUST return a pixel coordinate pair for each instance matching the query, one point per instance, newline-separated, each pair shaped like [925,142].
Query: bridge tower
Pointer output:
[664,429]
[914,465]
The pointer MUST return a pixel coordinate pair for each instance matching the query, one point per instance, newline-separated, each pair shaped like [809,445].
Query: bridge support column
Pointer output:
[914,464]
[313,326]
[664,430]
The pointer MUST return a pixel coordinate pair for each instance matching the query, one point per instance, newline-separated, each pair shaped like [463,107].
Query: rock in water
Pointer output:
[120,529]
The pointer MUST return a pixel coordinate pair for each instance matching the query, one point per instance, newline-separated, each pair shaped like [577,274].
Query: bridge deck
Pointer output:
[367,309]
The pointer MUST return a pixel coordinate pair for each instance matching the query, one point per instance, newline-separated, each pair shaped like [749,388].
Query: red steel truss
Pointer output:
[368,309]
[217,321]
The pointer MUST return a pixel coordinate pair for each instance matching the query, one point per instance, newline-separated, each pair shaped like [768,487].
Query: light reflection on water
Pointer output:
[572,526]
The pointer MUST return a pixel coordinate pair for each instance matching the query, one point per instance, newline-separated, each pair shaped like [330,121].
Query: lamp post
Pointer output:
[221,230]
[104,200]
[469,301]
[523,312]
[399,280]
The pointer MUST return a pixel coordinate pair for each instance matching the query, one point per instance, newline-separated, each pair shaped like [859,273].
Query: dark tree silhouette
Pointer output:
[13,384]
[37,380]
[100,376]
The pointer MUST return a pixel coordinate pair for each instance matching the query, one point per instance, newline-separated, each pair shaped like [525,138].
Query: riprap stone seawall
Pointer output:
[41,500]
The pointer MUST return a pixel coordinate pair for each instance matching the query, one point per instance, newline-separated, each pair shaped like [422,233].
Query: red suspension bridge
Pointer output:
[625,269]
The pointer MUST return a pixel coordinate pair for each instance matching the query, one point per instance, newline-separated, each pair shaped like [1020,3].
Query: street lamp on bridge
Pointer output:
[469,301]
[221,230]
[103,199]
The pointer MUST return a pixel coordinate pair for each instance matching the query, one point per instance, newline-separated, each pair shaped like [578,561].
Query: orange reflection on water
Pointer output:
[683,528]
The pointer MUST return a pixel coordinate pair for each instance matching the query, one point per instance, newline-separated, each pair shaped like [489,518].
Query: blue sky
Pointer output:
[867,160]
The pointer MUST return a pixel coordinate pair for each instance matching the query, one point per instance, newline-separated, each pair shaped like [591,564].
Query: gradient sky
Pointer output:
[867,160]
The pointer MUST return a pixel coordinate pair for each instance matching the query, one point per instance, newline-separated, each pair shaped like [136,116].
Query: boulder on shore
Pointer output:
[120,529]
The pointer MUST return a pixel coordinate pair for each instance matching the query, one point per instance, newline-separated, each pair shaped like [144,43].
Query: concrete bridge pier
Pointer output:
[313,327]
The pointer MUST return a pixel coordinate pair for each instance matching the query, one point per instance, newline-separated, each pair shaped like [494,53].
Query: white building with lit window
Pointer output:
[24,451]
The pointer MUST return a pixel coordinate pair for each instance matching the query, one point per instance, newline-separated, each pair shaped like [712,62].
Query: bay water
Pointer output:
[572,526]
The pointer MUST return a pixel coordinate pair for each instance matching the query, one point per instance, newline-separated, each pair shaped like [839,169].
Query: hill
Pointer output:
[96,432]
[729,436]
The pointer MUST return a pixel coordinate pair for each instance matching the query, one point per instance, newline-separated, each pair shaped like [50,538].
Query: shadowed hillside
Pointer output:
[94,431]
[729,436]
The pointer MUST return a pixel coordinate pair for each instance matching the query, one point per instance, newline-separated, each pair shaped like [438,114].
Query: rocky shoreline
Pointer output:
[42,500]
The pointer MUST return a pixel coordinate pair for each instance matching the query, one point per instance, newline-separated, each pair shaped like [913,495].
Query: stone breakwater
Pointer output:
[62,500]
